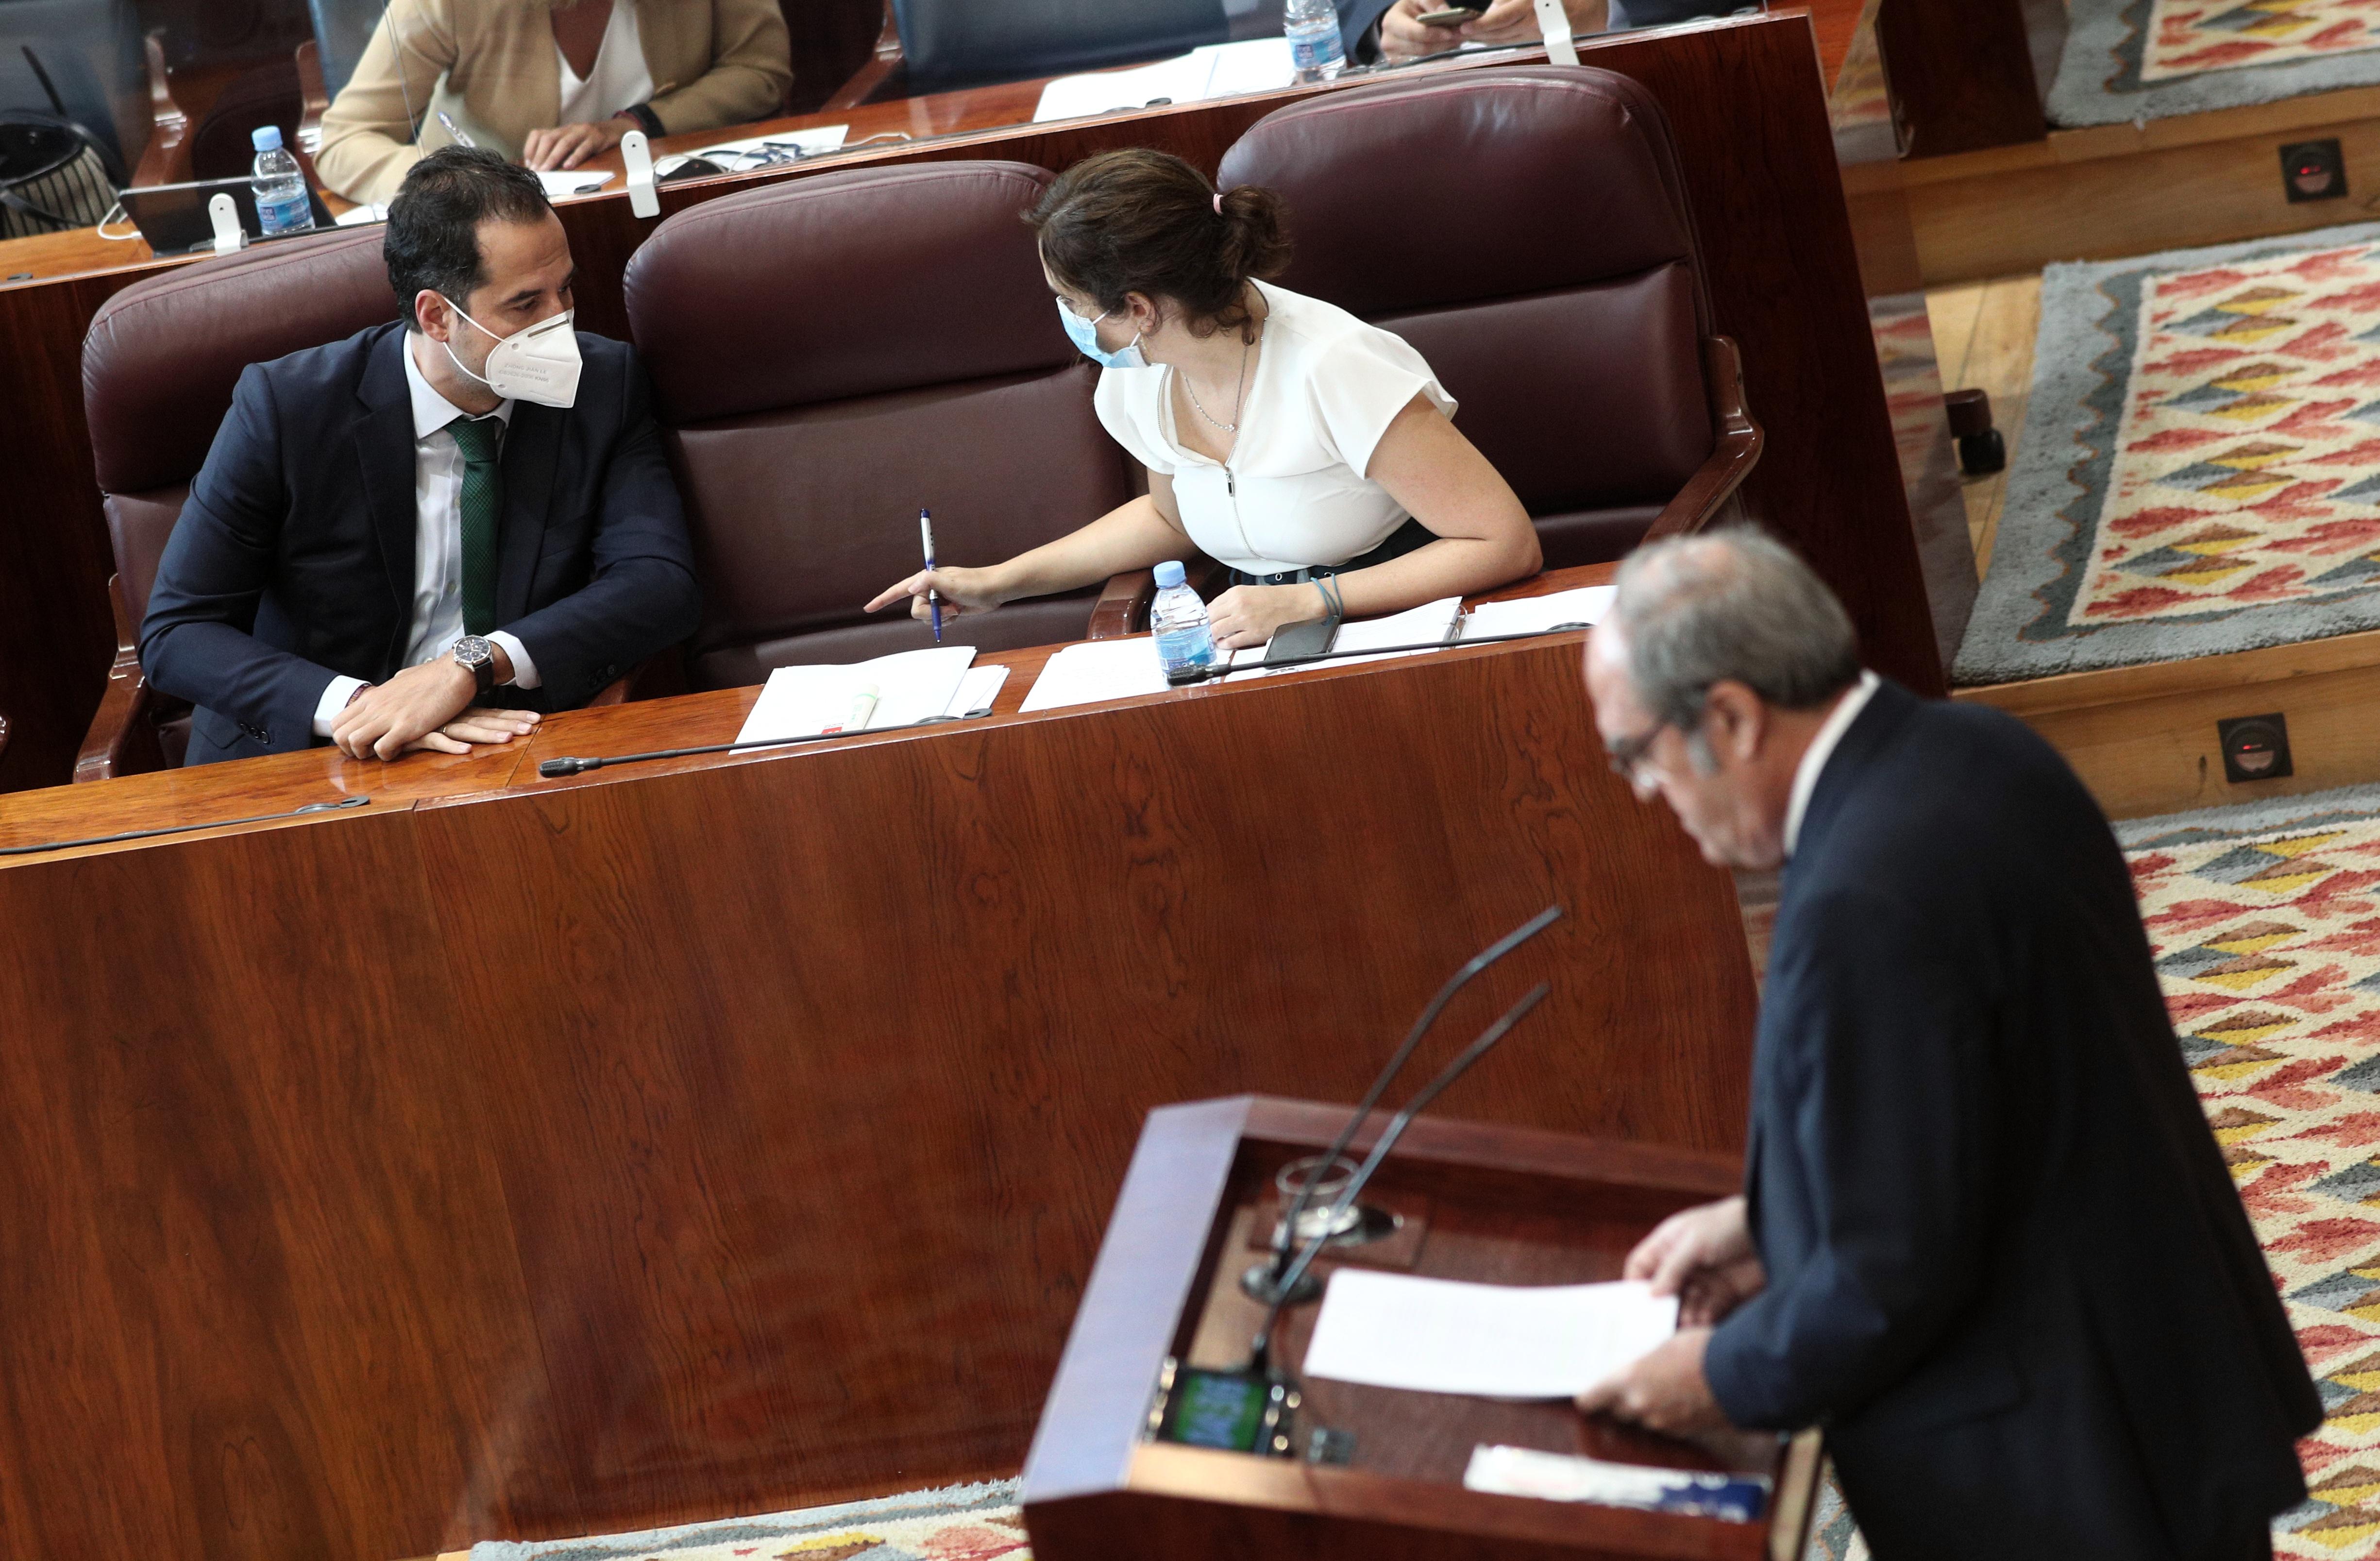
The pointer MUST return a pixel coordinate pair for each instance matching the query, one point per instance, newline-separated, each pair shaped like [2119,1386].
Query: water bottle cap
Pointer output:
[266,137]
[1168,575]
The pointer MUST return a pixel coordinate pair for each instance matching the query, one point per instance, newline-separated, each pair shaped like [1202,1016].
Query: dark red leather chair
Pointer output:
[1527,230]
[833,354]
[159,365]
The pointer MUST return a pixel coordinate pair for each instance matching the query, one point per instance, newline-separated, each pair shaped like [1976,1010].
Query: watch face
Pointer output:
[472,651]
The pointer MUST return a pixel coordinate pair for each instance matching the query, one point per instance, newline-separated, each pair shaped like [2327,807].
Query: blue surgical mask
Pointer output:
[1086,337]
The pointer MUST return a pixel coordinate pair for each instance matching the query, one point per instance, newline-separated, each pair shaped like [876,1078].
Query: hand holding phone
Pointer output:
[1453,16]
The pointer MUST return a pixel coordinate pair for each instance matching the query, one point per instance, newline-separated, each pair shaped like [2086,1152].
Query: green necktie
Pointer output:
[483,501]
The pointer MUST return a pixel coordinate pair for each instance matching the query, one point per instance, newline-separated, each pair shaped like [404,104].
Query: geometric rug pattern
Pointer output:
[2199,467]
[2186,37]
[2150,59]
[2266,926]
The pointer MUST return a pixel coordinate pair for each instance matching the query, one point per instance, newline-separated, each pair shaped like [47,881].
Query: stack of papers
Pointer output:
[1219,70]
[1493,1341]
[803,701]
[1432,623]
[1537,614]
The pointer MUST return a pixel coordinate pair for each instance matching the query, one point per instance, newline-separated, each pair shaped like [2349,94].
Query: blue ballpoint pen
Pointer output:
[933,597]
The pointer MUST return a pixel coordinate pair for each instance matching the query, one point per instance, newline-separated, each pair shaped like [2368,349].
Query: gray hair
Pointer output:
[1733,604]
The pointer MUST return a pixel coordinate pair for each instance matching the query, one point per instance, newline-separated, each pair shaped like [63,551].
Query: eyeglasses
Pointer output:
[1628,755]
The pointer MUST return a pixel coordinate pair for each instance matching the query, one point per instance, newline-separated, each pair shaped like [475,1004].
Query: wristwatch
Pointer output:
[478,657]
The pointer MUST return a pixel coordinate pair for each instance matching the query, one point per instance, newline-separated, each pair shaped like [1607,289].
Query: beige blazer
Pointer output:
[490,67]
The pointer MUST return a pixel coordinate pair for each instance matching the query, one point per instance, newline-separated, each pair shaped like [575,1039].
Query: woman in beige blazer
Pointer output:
[495,69]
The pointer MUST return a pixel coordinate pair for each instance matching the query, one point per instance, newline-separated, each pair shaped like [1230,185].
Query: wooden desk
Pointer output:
[523,1158]
[1784,276]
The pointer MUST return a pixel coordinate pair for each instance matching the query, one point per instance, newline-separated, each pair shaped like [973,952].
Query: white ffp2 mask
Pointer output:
[538,363]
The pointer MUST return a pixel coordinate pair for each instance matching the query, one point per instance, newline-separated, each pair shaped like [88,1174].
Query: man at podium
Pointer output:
[1985,1239]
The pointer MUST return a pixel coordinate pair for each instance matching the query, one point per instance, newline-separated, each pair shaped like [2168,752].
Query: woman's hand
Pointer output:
[566,146]
[962,590]
[1249,615]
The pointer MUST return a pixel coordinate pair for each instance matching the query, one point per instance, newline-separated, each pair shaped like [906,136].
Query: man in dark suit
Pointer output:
[423,536]
[1986,1239]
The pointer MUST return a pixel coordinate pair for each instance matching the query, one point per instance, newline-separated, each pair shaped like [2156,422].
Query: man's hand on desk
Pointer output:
[1665,1391]
[962,590]
[1250,614]
[426,709]
[566,146]
[1403,36]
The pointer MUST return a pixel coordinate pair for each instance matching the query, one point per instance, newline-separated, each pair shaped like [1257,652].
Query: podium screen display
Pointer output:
[1219,1409]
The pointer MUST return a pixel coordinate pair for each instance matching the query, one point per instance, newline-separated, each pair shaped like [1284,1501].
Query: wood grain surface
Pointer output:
[525,1160]
[1749,115]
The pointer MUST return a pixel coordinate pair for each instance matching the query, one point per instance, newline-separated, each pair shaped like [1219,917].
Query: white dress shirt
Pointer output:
[619,77]
[1821,748]
[437,544]
[1294,494]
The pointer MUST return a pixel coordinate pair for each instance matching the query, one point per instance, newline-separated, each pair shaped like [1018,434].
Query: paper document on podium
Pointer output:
[1492,1341]
[1432,623]
[803,701]
[1536,614]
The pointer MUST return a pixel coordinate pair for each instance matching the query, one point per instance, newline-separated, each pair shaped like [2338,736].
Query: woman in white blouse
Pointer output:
[1284,437]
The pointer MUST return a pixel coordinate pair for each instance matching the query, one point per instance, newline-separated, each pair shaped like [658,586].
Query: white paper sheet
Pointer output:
[1255,65]
[1536,614]
[1432,623]
[1097,670]
[801,701]
[978,689]
[572,181]
[762,152]
[1525,1472]
[1496,1341]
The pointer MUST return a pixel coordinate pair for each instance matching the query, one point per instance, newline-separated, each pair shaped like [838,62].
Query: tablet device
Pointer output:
[173,218]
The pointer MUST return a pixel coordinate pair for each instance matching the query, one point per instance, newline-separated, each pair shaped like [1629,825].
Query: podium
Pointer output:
[1384,1482]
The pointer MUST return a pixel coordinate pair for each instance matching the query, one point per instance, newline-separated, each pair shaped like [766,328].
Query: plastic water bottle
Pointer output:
[280,185]
[1185,643]
[1315,48]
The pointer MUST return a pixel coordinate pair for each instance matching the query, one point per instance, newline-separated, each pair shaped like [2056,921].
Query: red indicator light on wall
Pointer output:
[2313,170]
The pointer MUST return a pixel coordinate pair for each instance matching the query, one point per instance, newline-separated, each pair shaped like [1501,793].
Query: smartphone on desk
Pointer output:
[1297,642]
[1453,16]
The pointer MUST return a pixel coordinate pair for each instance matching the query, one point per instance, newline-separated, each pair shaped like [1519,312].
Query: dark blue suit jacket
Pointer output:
[293,562]
[2007,1267]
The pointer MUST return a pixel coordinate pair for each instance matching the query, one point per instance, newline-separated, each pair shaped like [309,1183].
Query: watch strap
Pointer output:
[647,120]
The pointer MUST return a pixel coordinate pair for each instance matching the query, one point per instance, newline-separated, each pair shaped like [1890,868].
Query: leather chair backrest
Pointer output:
[162,356]
[1527,230]
[951,42]
[830,355]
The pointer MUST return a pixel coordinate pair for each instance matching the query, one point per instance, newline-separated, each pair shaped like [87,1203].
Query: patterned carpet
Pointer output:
[2147,59]
[2266,920]
[2186,37]
[2199,467]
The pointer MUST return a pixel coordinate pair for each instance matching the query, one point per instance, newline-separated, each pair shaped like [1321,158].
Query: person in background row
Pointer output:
[424,535]
[1392,29]
[1987,1239]
[1284,437]
[549,84]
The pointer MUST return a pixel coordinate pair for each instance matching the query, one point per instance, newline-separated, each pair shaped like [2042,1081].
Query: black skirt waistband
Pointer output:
[1405,539]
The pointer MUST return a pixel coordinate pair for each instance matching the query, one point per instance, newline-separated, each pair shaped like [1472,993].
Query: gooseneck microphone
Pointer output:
[553,769]
[182,828]
[1228,669]
[1261,1347]
[1284,1236]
